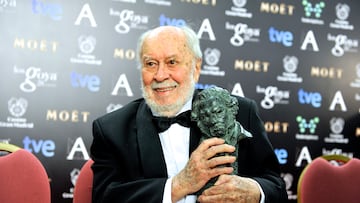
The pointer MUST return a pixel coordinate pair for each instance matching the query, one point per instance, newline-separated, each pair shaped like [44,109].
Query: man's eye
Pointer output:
[172,62]
[150,64]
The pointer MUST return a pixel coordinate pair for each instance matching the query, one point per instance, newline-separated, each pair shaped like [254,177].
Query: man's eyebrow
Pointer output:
[146,57]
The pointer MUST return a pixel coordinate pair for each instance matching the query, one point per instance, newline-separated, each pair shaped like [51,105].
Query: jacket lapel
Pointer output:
[194,137]
[151,154]
[195,132]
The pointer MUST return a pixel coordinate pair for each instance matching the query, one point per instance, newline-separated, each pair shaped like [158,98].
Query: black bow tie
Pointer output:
[163,123]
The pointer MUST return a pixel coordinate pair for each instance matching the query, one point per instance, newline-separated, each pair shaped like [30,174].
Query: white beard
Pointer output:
[170,110]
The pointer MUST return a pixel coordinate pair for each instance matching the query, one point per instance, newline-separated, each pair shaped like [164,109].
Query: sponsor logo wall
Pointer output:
[64,63]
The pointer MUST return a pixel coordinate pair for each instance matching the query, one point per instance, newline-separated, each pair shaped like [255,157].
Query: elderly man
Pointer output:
[138,158]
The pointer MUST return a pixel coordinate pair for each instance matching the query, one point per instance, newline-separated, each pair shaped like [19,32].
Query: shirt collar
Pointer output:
[186,107]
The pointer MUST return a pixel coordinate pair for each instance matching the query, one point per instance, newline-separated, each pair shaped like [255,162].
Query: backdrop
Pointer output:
[65,63]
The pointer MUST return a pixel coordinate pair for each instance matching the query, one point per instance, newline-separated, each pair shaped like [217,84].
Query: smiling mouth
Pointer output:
[164,89]
[165,86]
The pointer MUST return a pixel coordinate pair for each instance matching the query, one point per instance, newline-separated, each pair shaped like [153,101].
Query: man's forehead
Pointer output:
[160,49]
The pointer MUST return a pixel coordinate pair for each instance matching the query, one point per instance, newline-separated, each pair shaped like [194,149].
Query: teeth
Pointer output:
[163,89]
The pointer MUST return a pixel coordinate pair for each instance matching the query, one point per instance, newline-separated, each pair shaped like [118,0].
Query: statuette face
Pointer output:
[214,111]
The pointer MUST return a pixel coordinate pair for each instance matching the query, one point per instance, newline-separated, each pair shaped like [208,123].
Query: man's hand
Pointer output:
[201,167]
[232,188]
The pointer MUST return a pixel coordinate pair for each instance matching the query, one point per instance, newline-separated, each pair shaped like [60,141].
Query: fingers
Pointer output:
[222,179]
[203,165]
[220,160]
[210,142]
[231,188]
[216,149]
[207,151]
[213,146]
[219,171]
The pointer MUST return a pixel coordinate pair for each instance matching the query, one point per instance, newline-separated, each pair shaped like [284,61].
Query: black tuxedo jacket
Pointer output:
[129,165]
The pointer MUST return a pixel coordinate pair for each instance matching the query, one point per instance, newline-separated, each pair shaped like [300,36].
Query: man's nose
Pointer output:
[161,73]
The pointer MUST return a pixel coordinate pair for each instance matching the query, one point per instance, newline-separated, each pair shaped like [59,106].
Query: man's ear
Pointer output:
[197,69]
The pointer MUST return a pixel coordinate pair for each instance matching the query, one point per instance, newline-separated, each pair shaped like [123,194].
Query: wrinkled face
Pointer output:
[169,71]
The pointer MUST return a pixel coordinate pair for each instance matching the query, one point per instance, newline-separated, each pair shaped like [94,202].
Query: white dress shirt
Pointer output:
[175,145]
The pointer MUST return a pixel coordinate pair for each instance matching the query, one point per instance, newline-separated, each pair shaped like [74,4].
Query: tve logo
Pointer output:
[163,20]
[283,37]
[92,82]
[313,98]
[47,9]
[45,147]
[282,155]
